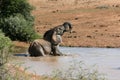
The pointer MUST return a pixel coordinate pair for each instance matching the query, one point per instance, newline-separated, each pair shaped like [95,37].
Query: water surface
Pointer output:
[107,60]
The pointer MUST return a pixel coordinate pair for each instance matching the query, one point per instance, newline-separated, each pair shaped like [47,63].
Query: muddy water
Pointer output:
[107,60]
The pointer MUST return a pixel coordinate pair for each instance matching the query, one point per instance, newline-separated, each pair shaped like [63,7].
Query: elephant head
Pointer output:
[67,27]
[58,31]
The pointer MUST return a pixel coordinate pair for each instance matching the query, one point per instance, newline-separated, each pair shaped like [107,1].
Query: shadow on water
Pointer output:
[20,51]
[21,55]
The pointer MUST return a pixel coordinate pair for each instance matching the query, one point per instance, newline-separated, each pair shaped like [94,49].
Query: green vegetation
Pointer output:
[17,28]
[16,23]
[12,7]
[16,20]
[5,57]
[5,46]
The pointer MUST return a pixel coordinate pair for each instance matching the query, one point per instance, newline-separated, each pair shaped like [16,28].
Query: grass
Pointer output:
[80,10]
[77,71]
[89,10]
[102,7]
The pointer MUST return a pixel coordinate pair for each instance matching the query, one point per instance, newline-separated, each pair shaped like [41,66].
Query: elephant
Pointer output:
[50,43]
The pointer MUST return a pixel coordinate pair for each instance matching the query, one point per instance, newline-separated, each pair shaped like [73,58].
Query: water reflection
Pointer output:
[44,59]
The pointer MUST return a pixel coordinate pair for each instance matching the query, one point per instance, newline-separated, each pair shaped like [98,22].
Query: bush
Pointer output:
[18,28]
[5,46]
[13,7]
[16,20]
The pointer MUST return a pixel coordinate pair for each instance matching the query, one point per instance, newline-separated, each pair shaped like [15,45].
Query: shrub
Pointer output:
[18,28]
[5,46]
[16,20]
[13,7]
[5,57]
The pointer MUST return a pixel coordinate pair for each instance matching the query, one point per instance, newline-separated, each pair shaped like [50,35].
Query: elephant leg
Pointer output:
[41,51]
[56,51]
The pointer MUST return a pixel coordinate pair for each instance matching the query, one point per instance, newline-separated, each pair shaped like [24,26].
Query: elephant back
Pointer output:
[39,47]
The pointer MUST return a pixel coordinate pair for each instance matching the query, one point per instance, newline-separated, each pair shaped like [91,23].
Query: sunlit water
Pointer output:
[107,60]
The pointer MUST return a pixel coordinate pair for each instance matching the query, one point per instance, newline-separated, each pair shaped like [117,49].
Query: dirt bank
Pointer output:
[96,23]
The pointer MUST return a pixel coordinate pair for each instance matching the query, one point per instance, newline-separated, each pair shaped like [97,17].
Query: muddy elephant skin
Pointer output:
[39,47]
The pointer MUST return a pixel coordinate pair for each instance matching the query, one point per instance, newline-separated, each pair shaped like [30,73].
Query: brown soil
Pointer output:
[96,23]
[21,44]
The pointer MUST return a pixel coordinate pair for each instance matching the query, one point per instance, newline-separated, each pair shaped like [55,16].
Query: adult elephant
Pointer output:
[50,42]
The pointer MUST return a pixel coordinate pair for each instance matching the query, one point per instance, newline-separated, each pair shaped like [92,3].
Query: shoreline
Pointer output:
[26,45]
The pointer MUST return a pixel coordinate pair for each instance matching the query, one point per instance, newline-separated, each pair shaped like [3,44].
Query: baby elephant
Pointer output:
[50,42]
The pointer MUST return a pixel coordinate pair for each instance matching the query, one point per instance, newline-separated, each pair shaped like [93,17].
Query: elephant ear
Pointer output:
[56,39]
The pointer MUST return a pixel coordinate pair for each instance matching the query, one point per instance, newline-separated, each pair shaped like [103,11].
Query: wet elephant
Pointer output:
[49,45]
[39,47]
